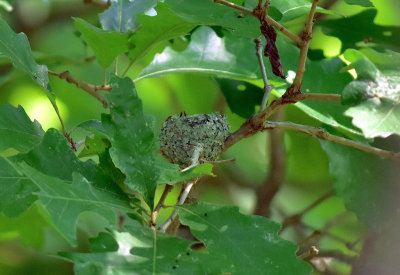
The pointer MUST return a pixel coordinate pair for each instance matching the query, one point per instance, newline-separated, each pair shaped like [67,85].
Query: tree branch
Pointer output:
[255,123]
[301,67]
[321,133]
[269,20]
[309,254]
[89,88]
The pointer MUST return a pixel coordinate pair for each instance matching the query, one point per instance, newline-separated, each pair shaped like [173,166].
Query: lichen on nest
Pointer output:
[181,134]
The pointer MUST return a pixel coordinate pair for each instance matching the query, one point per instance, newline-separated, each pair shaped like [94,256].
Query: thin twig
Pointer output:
[89,88]
[182,199]
[309,254]
[160,204]
[295,219]
[267,87]
[305,37]
[270,21]
[321,133]
[215,162]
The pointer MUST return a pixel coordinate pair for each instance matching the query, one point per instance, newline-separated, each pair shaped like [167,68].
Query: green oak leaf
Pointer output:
[132,140]
[16,47]
[353,30]
[363,3]
[54,150]
[97,142]
[206,53]
[171,173]
[17,131]
[94,146]
[234,58]
[16,190]
[208,12]
[257,251]
[106,45]
[376,95]
[287,10]
[155,29]
[121,16]
[66,201]
[144,251]
[367,184]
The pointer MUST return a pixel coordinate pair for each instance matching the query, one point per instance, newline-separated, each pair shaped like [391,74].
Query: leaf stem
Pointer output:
[89,88]
[267,87]
[321,133]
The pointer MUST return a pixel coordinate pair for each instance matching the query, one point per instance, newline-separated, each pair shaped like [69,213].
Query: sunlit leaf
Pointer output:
[206,53]
[156,29]
[121,16]
[106,45]
[144,251]
[132,141]
[17,130]
[377,97]
[16,47]
[359,30]
[258,251]
[234,57]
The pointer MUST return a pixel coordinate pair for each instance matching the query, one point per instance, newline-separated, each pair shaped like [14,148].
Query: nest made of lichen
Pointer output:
[181,134]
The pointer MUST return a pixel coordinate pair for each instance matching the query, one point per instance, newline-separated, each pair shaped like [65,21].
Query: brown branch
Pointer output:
[89,88]
[271,186]
[255,123]
[160,204]
[295,219]
[272,22]
[321,133]
[306,36]
[309,254]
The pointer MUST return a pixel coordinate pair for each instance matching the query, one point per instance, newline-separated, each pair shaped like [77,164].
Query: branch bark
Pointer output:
[89,88]
[321,133]
[295,38]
